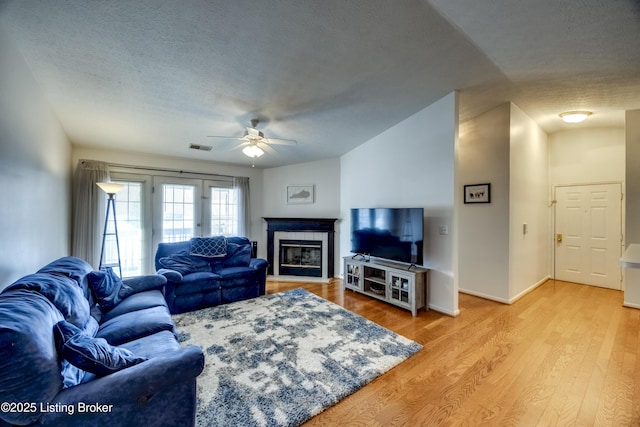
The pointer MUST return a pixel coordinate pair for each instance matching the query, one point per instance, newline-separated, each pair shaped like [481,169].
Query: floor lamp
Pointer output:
[111,189]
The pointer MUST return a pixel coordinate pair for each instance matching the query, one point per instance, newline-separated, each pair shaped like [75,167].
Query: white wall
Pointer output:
[35,172]
[632,203]
[187,165]
[324,175]
[586,156]
[483,249]
[529,203]
[411,165]
[497,260]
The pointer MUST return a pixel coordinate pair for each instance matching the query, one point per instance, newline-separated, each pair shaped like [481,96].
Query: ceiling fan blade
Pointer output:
[267,148]
[241,145]
[225,137]
[228,144]
[280,141]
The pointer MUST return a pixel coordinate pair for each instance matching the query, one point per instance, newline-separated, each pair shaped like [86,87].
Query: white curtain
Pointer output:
[89,205]
[241,184]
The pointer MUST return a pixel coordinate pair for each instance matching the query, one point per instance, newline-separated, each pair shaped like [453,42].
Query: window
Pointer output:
[224,211]
[178,212]
[130,228]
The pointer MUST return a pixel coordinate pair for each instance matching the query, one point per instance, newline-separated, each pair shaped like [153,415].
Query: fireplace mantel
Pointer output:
[301,224]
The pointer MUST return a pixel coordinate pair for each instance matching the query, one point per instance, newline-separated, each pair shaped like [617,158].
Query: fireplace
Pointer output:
[300,258]
[294,244]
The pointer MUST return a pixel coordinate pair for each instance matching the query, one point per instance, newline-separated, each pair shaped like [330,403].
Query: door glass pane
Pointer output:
[130,229]
[177,212]
[224,211]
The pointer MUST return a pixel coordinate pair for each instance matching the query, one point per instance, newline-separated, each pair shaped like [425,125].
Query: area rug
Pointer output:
[280,359]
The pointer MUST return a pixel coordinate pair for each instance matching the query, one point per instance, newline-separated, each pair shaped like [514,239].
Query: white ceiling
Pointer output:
[157,75]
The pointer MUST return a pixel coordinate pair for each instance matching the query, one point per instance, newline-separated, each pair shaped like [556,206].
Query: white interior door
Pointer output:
[589,234]
[177,209]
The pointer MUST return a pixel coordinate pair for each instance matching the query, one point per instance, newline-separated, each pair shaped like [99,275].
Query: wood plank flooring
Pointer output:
[565,355]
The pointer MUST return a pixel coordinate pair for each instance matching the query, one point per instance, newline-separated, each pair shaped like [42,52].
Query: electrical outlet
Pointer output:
[444,230]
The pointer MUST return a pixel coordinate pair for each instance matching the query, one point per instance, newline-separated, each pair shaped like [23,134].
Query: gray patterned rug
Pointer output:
[280,359]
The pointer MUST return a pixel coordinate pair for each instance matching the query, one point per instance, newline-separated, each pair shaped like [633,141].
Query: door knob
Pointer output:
[559,238]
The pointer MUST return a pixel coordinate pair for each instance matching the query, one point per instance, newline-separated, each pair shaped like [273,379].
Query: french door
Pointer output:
[177,209]
[154,209]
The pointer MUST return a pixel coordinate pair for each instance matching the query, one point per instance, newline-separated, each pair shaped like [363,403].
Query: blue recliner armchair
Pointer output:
[204,272]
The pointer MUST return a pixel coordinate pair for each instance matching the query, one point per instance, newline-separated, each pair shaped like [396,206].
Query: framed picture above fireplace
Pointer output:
[300,194]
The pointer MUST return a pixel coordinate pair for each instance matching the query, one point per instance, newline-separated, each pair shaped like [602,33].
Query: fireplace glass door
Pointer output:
[301,258]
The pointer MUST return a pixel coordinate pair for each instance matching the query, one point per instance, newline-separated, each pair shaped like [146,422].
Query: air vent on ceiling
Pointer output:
[200,147]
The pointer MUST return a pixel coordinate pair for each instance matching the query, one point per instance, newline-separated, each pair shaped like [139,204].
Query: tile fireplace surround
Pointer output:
[301,228]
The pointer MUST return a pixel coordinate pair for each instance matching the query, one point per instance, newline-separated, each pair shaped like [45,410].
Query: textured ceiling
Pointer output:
[157,75]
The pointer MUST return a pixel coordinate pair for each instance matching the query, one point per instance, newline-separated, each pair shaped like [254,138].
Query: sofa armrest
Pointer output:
[170,275]
[258,263]
[129,391]
[145,283]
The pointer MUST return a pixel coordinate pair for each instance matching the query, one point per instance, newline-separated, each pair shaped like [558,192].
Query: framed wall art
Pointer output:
[477,193]
[300,194]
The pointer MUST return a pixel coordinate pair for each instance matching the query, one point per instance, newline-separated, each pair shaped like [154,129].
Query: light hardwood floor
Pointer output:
[564,355]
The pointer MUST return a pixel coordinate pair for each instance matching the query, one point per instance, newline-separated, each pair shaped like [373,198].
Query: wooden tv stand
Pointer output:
[387,281]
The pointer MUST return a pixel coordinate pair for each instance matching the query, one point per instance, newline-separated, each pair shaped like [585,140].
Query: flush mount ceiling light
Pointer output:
[575,116]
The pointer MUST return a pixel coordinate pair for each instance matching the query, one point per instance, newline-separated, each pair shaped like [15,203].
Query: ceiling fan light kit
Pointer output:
[575,116]
[252,151]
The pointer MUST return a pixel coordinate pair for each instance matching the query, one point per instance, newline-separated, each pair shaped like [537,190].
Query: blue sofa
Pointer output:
[224,272]
[82,348]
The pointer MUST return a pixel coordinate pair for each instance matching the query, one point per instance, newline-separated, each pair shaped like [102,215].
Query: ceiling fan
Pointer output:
[255,143]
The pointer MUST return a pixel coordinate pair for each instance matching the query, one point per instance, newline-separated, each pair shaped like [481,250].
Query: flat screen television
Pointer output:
[390,233]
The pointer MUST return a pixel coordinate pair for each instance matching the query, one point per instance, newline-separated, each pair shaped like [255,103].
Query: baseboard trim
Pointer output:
[485,296]
[630,305]
[444,310]
[503,300]
[529,289]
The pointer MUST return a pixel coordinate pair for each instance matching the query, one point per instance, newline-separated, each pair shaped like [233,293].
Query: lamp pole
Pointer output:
[111,189]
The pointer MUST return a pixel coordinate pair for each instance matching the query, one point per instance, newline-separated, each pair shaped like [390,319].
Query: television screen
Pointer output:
[390,233]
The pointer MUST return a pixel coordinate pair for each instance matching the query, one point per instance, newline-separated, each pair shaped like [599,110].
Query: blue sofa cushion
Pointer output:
[135,302]
[91,354]
[184,263]
[78,270]
[72,267]
[153,345]
[229,276]
[136,324]
[208,247]
[137,284]
[237,255]
[72,375]
[198,283]
[108,288]
[29,366]
[63,292]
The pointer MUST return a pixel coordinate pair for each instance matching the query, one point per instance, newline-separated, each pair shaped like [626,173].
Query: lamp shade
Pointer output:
[252,151]
[110,187]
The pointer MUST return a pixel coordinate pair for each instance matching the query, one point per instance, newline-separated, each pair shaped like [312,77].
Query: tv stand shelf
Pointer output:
[387,281]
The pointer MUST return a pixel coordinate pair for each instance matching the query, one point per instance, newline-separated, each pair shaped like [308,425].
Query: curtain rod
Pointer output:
[147,168]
